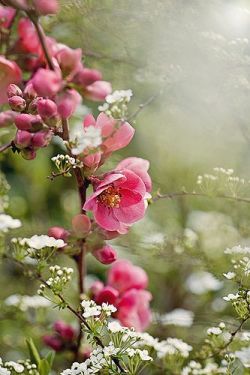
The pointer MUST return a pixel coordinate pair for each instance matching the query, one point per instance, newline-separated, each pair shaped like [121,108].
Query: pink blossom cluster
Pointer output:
[125,290]
[63,337]
[40,91]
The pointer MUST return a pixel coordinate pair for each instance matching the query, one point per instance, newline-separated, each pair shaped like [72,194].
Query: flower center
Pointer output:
[110,197]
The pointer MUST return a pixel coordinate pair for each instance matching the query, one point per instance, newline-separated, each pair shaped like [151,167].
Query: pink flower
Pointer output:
[118,200]
[86,76]
[68,59]
[6,16]
[123,275]
[108,295]
[138,166]
[115,135]
[53,342]
[67,102]
[105,254]
[9,73]
[98,91]
[28,39]
[47,82]
[66,331]
[45,7]
[58,233]
[133,309]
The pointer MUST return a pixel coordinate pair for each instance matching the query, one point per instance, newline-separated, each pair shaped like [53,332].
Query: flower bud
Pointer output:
[107,295]
[46,108]
[81,225]
[14,90]
[23,121]
[86,76]
[98,91]
[33,105]
[66,332]
[29,92]
[95,288]
[67,103]
[22,139]
[17,103]
[105,255]
[28,153]
[45,7]
[47,82]
[58,233]
[53,342]
[41,139]
[7,118]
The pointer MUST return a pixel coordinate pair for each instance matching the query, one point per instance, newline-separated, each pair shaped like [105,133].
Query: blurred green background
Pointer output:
[194,56]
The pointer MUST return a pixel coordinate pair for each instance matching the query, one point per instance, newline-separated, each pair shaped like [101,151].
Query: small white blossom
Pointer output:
[7,222]
[110,350]
[115,327]
[27,302]
[229,275]
[178,317]
[214,331]
[118,96]
[39,242]
[90,308]
[172,346]
[202,282]
[231,297]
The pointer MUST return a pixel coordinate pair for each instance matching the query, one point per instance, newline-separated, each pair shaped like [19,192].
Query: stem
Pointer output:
[194,194]
[42,38]
[6,146]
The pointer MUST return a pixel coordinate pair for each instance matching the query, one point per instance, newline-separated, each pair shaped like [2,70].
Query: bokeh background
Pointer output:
[194,58]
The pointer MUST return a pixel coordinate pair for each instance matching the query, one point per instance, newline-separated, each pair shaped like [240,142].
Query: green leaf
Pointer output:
[44,367]
[50,358]
[34,355]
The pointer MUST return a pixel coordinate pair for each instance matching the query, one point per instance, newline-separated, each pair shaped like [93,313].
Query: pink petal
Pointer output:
[106,124]
[131,214]
[133,182]
[110,178]
[89,120]
[105,218]
[121,138]
[128,198]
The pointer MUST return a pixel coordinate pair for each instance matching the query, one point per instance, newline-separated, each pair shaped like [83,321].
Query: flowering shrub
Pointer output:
[43,84]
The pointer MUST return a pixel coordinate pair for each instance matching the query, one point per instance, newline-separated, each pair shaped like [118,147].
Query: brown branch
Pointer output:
[144,105]
[194,194]
[5,147]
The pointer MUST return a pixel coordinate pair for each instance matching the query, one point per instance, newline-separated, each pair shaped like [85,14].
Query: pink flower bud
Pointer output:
[81,225]
[98,91]
[53,342]
[95,288]
[107,295]
[28,153]
[67,103]
[7,118]
[14,90]
[17,103]
[46,108]
[22,139]
[45,7]
[66,332]
[33,105]
[6,16]
[69,59]
[47,82]
[29,92]
[41,139]
[24,121]
[58,233]
[86,76]
[105,255]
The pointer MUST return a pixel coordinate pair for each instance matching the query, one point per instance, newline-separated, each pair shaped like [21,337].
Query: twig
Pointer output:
[143,105]
[54,175]
[6,146]
[194,194]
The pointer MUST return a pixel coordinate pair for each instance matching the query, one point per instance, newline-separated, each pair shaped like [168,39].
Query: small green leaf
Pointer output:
[44,367]
[50,358]
[34,355]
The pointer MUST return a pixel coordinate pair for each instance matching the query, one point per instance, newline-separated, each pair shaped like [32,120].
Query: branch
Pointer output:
[194,194]
[143,105]
[5,147]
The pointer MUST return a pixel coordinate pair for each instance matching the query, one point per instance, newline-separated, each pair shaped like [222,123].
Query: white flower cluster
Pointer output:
[177,317]
[116,104]
[202,282]
[38,242]
[172,346]
[244,356]
[7,222]
[91,309]
[24,302]
[195,368]
[82,138]
[65,162]
[238,250]
[11,367]
[59,277]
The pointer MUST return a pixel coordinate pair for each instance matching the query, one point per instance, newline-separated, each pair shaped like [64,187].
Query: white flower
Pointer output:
[108,309]
[115,327]
[202,282]
[231,297]
[178,317]
[25,302]
[118,96]
[144,355]
[90,309]
[110,350]
[39,242]
[237,250]
[16,366]
[214,331]
[4,371]
[172,346]
[244,356]
[83,138]
[229,275]
[7,222]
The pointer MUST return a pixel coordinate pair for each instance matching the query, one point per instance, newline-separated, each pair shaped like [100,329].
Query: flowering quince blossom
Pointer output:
[6,16]
[126,291]
[118,200]
[9,73]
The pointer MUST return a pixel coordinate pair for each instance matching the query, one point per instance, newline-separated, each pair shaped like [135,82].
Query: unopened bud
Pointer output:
[23,121]
[107,295]
[41,139]
[29,92]
[17,103]
[14,90]
[59,233]
[22,139]
[105,255]
[81,225]
[28,154]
